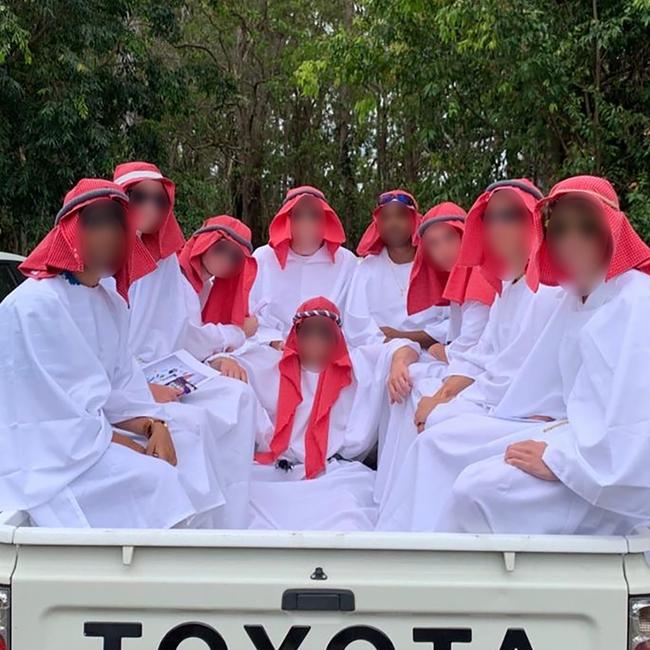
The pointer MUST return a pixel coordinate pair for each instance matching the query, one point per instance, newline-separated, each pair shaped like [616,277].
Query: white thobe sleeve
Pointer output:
[473,321]
[52,423]
[359,326]
[203,340]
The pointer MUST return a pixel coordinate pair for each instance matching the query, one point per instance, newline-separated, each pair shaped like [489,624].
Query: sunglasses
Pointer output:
[504,216]
[106,214]
[229,250]
[558,228]
[140,197]
[322,331]
[388,197]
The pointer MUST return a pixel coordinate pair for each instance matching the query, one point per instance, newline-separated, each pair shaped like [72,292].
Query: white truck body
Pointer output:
[162,590]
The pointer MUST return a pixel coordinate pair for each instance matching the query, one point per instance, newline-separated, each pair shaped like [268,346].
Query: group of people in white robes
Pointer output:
[477,372]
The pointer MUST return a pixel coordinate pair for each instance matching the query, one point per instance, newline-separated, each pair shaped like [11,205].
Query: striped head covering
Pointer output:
[169,238]
[227,301]
[332,380]
[60,250]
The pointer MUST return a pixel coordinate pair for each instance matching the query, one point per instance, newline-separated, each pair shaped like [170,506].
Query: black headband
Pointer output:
[86,196]
[443,218]
[317,312]
[292,194]
[524,187]
[229,231]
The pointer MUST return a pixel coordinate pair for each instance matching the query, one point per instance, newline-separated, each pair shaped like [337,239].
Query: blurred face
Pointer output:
[507,228]
[222,260]
[307,224]
[441,245]
[317,337]
[103,236]
[150,204]
[578,241]
[395,224]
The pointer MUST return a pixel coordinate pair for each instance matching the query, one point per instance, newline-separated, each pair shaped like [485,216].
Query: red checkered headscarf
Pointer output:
[473,251]
[60,250]
[332,380]
[227,302]
[430,285]
[628,251]
[280,227]
[371,242]
[169,238]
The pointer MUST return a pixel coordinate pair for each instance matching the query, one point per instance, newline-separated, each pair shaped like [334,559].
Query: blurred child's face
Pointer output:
[507,227]
[578,241]
[223,259]
[395,224]
[103,236]
[307,223]
[317,339]
[150,204]
[441,245]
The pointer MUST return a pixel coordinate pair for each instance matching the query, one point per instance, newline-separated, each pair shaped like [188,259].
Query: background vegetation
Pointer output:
[239,99]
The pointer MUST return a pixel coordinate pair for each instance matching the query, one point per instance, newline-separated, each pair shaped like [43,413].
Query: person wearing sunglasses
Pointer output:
[325,401]
[498,241]
[577,464]
[217,262]
[304,257]
[166,317]
[376,304]
[83,442]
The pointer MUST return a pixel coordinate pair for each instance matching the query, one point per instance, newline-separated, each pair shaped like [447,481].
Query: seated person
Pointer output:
[582,470]
[304,258]
[164,319]
[217,262]
[82,443]
[498,235]
[376,304]
[325,401]
[436,279]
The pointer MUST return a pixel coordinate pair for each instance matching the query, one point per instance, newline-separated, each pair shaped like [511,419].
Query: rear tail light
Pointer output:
[5,619]
[639,625]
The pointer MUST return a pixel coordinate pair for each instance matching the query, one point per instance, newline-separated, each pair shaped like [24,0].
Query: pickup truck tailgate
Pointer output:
[95,597]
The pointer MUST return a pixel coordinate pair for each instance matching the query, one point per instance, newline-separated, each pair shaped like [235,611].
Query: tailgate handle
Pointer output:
[318,600]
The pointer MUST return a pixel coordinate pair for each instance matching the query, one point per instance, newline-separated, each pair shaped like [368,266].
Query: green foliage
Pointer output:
[239,100]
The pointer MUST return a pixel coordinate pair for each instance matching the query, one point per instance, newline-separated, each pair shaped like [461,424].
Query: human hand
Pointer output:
[125,441]
[163,394]
[390,333]
[230,368]
[250,326]
[439,351]
[527,456]
[160,443]
[399,381]
[277,345]
[426,405]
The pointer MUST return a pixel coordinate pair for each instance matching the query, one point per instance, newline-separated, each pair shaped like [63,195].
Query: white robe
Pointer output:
[466,324]
[277,293]
[166,317]
[64,356]
[377,298]
[342,497]
[588,367]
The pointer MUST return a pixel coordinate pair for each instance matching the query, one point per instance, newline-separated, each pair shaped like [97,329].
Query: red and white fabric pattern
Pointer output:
[371,242]
[332,380]
[61,248]
[227,302]
[169,238]
[628,251]
[280,227]
[430,285]
[473,251]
